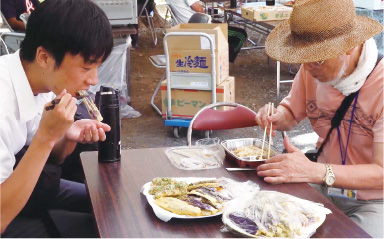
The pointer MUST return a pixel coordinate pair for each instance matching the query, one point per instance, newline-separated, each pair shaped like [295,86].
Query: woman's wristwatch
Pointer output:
[329,178]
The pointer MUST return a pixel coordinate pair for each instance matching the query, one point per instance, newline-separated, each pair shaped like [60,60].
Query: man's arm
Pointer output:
[61,150]
[16,25]
[197,7]
[18,187]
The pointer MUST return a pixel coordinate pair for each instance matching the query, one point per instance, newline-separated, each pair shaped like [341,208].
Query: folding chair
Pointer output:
[199,17]
[239,116]
[149,16]
[24,17]
[11,41]
[158,61]
[173,19]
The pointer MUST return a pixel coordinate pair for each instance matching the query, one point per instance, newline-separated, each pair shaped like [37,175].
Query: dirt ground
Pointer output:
[255,85]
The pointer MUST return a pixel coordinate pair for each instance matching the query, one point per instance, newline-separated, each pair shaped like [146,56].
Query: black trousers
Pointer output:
[140,5]
[69,216]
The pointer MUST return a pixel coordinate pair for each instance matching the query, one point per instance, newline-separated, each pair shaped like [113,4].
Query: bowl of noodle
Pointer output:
[247,152]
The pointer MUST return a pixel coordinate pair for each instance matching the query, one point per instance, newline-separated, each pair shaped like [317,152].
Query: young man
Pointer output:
[65,42]
[338,57]
[12,9]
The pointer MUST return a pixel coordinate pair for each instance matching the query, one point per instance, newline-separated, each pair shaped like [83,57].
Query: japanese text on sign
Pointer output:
[192,62]
[182,103]
[282,15]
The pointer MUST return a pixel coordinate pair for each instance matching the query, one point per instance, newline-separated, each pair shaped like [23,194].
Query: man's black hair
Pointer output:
[74,26]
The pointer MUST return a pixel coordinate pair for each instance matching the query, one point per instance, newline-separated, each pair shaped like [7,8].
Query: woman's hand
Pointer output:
[291,167]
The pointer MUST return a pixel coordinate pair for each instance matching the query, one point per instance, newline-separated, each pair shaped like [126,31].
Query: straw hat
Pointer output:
[319,30]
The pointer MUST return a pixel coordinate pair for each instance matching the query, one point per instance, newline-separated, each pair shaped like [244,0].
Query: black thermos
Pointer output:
[108,101]
[270,2]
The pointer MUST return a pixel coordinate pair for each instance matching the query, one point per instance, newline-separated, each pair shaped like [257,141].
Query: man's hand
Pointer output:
[197,7]
[292,167]
[54,123]
[87,131]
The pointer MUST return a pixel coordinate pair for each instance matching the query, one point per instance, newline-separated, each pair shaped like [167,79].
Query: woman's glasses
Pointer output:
[320,62]
[317,63]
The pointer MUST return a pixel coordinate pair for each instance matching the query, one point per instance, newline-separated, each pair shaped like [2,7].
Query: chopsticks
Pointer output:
[56,101]
[269,112]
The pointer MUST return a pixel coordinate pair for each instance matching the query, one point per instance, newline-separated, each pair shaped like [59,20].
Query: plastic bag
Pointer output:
[273,214]
[113,73]
[194,157]
[237,189]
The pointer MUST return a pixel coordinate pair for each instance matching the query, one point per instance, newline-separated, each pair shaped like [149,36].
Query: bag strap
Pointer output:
[342,110]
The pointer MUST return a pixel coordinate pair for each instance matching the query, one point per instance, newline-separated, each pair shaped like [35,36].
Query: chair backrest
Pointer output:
[24,17]
[12,41]
[239,116]
[199,17]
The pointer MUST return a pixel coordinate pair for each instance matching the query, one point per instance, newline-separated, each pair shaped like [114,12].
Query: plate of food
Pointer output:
[247,152]
[185,198]
[273,214]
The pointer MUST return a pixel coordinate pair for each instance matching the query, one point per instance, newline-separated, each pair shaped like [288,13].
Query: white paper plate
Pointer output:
[165,215]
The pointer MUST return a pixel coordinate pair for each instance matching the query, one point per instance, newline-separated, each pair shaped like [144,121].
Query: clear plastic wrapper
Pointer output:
[273,214]
[195,157]
[236,189]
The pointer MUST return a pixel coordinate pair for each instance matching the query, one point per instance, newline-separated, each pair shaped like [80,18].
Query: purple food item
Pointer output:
[197,202]
[212,192]
[244,223]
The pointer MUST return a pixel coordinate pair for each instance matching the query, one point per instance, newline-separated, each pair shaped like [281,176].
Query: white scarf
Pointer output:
[367,62]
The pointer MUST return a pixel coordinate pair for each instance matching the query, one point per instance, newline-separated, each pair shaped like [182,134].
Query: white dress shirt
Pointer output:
[20,111]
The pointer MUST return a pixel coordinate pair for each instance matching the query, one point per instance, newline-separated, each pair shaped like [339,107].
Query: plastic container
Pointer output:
[249,161]
[209,145]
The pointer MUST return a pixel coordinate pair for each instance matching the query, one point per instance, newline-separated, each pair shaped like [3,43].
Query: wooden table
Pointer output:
[121,210]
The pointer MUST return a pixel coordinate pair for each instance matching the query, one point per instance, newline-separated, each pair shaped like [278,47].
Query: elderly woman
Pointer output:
[340,63]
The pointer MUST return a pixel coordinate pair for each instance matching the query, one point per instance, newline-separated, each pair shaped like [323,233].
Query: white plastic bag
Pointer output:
[113,73]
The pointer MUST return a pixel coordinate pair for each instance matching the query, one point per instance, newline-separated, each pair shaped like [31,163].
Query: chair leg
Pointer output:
[151,27]
[155,93]
[165,22]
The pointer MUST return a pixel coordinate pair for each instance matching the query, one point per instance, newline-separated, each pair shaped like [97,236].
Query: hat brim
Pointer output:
[281,46]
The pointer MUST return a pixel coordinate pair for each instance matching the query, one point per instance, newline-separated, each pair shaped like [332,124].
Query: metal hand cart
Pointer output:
[180,80]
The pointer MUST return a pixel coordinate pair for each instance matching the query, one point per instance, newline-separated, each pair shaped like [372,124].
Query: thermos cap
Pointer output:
[107,93]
